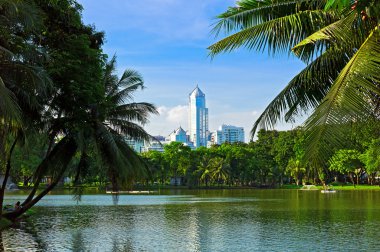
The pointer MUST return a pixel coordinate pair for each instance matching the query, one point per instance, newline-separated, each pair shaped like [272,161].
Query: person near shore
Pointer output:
[17,205]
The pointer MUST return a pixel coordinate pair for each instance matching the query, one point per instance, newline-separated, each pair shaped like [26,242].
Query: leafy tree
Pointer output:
[296,170]
[347,162]
[177,155]
[371,159]
[157,165]
[283,149]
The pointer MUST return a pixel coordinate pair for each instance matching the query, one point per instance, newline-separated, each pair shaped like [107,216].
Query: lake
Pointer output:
[201,220]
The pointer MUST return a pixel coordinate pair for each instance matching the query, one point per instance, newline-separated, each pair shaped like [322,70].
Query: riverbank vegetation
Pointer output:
[276,158]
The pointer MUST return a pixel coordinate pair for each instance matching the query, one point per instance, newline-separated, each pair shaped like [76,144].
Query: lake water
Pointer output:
[202,220]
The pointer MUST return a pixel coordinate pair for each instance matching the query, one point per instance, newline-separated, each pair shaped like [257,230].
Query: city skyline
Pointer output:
[166,41]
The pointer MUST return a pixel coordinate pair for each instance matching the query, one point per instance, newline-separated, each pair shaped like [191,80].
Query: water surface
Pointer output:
[202,220]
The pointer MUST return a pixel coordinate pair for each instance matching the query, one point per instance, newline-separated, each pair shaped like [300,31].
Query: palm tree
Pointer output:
[338,41]
[219,170]
[104,127]
[114,119]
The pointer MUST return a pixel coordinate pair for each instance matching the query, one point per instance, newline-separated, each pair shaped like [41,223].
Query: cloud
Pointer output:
[170,118]
[178,114]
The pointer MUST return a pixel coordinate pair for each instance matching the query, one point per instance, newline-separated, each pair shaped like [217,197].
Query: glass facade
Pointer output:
[198,118]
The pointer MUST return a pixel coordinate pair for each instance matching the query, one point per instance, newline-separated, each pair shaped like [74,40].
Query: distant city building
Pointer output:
[228,134]
[138,146]
[154,145]
[198,118]
[178,135]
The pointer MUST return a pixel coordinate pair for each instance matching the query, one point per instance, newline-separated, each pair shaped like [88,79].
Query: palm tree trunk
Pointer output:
[6,175]
[49,160]
[65,148]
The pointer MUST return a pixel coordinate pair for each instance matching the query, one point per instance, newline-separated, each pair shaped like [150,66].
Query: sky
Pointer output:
[166,42]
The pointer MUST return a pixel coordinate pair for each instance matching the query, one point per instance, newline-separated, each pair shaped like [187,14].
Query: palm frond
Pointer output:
[122,163]
[9,109]
[129,83]
[305,91]
[277,35]
[347,33]
[348,100]
[248,13]
[136,111]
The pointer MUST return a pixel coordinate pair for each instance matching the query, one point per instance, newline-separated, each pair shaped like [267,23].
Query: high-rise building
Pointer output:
[229,134]
[198,118]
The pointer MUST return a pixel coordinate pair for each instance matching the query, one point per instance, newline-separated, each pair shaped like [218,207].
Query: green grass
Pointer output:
[337,187]
[358,187]
[291,186]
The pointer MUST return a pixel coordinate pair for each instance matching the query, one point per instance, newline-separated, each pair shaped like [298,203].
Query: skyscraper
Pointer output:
[198,118]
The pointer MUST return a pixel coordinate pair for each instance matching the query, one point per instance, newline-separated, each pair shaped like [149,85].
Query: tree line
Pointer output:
[274,159]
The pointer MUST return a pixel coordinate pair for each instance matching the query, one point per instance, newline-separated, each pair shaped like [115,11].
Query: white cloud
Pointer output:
[170,118]
[178,114]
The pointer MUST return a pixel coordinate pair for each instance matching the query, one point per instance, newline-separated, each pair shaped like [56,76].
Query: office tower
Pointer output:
[229,134]
[198,118]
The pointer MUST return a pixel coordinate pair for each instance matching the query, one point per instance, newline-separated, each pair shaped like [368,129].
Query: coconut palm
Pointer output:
[103,129]
[115,119]
[338,40]
[219,169]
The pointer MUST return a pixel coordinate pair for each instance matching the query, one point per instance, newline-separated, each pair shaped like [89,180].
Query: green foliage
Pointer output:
[345,161]
[371,157]
[337,39]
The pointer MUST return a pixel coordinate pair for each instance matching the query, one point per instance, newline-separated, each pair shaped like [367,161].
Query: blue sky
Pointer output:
[167,40]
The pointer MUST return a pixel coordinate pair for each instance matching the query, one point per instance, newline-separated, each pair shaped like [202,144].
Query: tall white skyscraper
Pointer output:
[198,118]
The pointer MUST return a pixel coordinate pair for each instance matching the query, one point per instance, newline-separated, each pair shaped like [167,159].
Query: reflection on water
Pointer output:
[235,220]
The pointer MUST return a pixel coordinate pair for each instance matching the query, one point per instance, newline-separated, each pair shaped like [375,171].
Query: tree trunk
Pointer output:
[65,148]
[352,180]
[6,175]
[46,163]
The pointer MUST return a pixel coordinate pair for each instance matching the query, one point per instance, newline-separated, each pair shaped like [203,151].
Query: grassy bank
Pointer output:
[338,187]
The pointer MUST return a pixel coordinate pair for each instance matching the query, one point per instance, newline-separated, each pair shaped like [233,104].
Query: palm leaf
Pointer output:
[9,110]
[249,13]
[277,35]
[347,33]
[348,100]
[305,91]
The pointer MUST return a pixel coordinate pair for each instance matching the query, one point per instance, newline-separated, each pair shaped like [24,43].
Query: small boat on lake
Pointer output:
[328,189]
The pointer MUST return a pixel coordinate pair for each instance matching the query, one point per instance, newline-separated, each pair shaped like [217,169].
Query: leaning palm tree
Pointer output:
[339,42]
[102,128]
